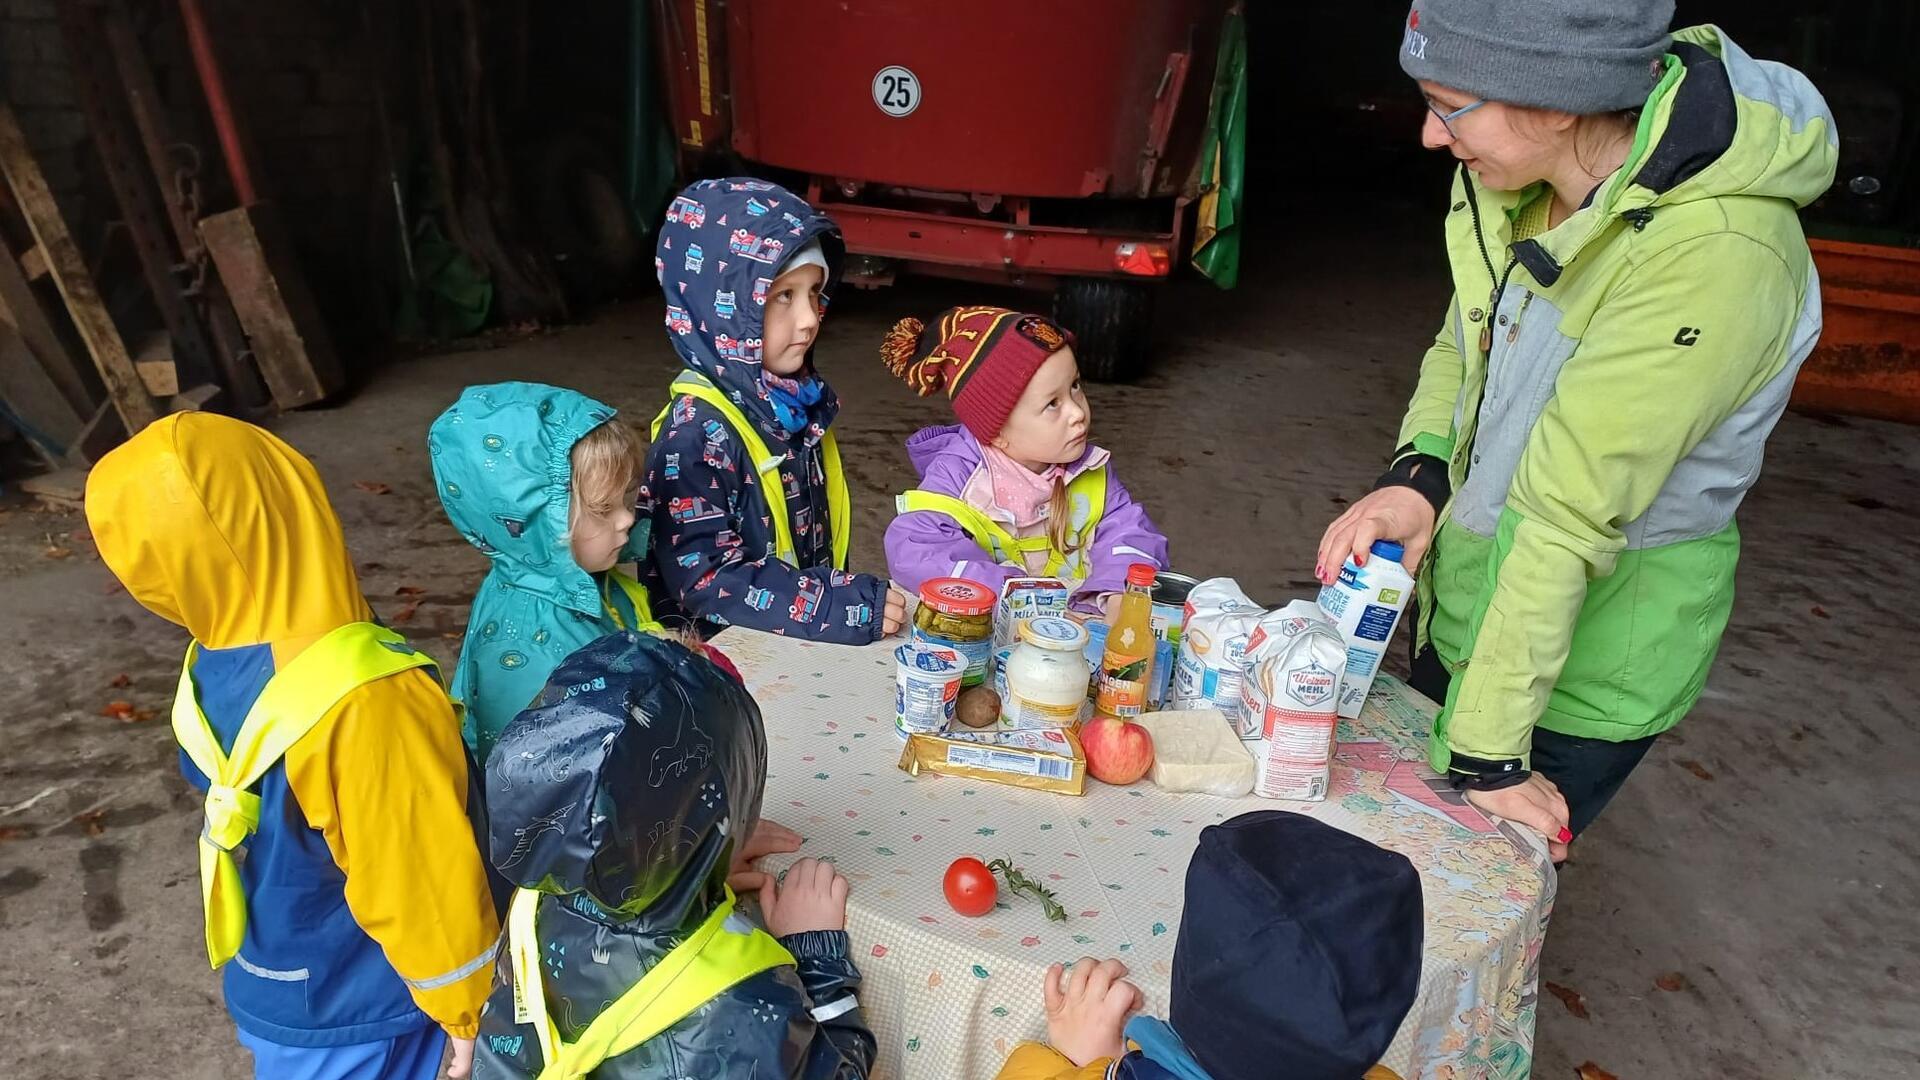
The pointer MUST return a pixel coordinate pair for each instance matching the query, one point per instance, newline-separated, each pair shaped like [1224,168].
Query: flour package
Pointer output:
[1295,661]
[1213,652]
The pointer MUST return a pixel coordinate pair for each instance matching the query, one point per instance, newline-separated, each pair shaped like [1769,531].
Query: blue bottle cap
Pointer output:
[1387,549]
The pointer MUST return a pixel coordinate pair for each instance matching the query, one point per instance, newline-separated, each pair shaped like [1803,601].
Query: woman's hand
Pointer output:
[1400,514]
[1535,803]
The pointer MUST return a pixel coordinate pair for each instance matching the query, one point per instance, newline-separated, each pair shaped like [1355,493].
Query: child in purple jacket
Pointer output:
[1014,490]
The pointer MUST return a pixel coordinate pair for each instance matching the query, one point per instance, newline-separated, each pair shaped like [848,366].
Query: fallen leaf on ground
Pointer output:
[93,822]
[452,634]
[58,552]
[373,487]
[1672,982]
[121,680]
[405,614]
[409,590]
[1574,1000]
[1820,612]
[1589,1071]
[118,710]
[1695,768]
[14,832]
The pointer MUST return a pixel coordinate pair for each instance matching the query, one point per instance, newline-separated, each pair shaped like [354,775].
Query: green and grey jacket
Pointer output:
[1596,406]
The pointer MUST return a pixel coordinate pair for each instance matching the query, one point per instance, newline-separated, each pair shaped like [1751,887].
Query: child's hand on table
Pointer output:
[766,838]
[813,897]
[1086,1017]
[895,615]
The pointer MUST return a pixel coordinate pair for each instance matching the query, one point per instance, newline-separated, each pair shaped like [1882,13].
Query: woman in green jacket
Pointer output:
[1632,299]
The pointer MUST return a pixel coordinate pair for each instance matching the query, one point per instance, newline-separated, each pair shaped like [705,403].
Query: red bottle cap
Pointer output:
[1142,574]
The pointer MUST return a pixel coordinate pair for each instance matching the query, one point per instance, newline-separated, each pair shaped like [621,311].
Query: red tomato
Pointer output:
[970,887]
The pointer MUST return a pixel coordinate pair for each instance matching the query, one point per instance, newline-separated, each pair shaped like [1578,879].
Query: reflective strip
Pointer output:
[1122,549]
[459,973]
[835,1009]
[258,972]
[959,569]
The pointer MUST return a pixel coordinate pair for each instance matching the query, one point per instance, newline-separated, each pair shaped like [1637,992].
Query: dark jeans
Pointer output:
[1587,771]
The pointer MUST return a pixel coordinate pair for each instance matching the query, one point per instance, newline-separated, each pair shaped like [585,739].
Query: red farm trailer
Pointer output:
[1057,146]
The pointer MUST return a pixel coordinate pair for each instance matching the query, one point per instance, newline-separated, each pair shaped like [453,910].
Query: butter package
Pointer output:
[1023,600]
[1044,759]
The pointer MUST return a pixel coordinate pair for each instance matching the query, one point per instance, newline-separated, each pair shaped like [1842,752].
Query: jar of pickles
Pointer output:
[958,614]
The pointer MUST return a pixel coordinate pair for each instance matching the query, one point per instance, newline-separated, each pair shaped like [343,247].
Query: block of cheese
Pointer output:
[1198,750]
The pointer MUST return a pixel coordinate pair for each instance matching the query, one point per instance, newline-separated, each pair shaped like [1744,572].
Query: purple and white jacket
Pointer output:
[925,544]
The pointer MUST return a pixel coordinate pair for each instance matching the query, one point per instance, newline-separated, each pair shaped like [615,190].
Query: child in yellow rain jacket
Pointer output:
[358,934]
[1298,958]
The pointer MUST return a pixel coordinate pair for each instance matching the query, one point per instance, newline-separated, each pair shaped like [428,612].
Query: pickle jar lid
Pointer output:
[1054,632]
[957,596]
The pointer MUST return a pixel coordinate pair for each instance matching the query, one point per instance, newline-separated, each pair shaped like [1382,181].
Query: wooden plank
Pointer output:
[102,433]
[193,400]
[32,396]
[20,307]
[84,305]
[154,361]
[33,263]
[62,489]
[269,293]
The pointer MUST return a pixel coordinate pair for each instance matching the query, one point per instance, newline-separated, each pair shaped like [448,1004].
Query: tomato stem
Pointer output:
[1019,882]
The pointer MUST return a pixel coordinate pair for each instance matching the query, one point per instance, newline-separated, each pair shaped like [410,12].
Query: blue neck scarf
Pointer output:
[791,399]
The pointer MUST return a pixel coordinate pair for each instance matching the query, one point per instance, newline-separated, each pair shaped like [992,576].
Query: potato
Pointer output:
[978,707]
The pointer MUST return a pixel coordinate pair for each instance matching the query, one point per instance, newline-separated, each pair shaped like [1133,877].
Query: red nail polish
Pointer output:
[1566,835]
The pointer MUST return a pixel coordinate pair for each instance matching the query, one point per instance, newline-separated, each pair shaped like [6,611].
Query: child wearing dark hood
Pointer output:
[615,805]
[1298,957]
[743,481]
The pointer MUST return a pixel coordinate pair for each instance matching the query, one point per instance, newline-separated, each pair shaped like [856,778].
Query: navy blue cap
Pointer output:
[1389,549]
[1299,950]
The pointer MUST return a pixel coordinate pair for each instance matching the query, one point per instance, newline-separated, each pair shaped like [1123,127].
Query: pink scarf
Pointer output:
[1019,490]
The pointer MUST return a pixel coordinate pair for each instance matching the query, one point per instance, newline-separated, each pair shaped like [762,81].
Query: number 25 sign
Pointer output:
[896,90]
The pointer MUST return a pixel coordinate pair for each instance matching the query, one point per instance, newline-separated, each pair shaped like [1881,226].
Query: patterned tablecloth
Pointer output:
[949,996]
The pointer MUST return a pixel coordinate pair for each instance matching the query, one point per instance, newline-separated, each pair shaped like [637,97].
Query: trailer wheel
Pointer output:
[1111,321]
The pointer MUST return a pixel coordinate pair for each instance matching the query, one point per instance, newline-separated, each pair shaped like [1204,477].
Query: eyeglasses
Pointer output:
[1447,118]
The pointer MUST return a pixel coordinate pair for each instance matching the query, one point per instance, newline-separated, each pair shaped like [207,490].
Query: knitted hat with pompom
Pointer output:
[982,357]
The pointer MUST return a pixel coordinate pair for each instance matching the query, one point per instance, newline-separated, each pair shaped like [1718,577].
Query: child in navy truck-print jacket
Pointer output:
[743,481]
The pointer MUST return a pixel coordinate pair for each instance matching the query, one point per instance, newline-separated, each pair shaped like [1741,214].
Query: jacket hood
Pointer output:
[952,446]
[1719,123]
[628,781]
[721,246]
[503,466]
[219,526]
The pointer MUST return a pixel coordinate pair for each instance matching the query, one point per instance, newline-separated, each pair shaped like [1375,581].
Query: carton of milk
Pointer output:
[1023,600]
[1365,603]
[1296,661]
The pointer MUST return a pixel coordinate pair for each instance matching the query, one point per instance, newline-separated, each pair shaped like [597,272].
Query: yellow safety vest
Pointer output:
[1090,488]
[767,465]
[295,699]
[636,595]
[711,960]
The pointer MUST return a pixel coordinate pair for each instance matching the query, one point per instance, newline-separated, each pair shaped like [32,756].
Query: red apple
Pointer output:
[1118,752]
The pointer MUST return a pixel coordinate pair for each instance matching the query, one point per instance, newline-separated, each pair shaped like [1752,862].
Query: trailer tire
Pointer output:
[1111,322]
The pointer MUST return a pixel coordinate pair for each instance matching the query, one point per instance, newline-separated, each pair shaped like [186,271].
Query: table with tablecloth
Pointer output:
[949,996]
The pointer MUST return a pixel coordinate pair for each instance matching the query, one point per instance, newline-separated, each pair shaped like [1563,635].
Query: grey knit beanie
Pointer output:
[1580,56]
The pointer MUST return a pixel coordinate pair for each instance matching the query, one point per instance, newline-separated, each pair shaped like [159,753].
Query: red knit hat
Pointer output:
[983,357]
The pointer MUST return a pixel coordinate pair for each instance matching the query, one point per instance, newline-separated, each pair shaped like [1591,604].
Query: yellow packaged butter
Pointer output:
[1042,759]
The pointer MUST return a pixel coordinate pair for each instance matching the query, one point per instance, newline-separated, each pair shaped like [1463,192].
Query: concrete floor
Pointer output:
[1759,854]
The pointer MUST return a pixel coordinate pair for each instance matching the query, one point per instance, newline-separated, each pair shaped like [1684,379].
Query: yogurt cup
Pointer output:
[926,685]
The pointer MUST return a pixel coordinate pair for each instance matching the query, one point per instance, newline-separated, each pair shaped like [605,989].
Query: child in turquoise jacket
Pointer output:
[541,480]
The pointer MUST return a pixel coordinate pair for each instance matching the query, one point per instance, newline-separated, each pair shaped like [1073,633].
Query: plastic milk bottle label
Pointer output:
[1365,603]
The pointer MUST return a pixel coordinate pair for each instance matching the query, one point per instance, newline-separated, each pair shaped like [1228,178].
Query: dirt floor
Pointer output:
[1735,914]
